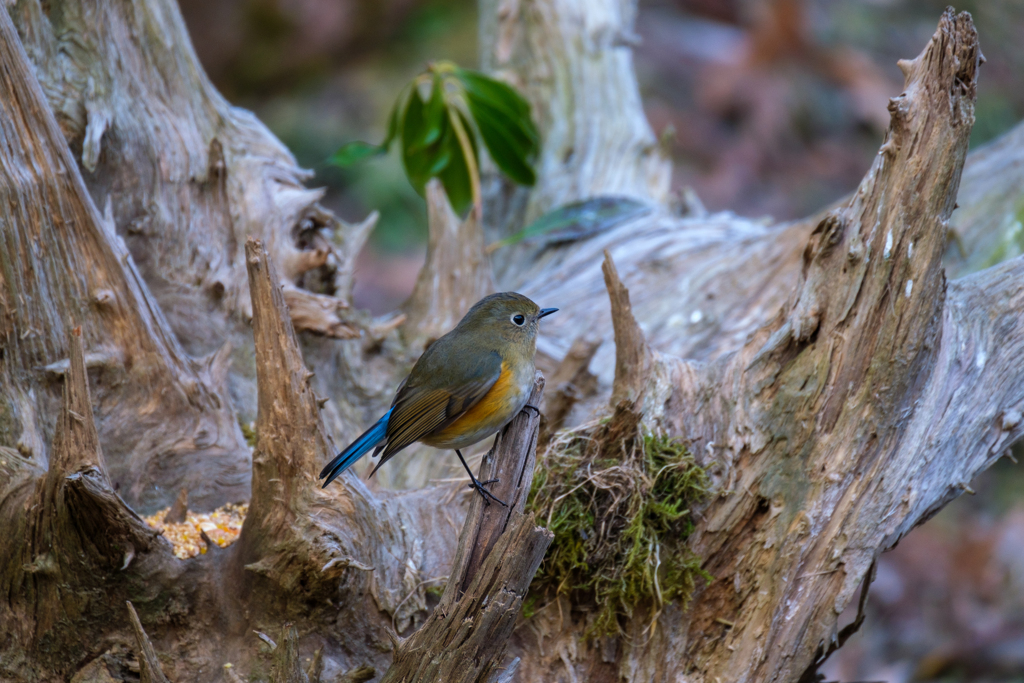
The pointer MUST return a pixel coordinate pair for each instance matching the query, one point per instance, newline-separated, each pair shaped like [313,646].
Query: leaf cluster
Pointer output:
[439,120]
[619,506]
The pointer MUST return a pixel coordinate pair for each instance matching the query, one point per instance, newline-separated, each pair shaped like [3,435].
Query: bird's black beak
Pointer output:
[545,311]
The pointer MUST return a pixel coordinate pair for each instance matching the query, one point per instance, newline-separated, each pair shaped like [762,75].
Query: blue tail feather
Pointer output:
[369,439]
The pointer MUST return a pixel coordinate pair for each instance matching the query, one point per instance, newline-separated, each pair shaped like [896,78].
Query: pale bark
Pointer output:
[837,389]
[187,178]
[165,419]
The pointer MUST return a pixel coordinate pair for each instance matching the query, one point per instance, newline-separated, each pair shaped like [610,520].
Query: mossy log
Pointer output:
[836,388]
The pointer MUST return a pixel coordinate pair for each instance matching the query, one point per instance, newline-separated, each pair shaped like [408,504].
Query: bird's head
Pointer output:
[508,316]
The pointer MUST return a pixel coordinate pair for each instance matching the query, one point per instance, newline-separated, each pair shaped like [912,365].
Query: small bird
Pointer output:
[465,387]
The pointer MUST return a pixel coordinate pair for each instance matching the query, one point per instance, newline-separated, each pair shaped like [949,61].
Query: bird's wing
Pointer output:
[419,411]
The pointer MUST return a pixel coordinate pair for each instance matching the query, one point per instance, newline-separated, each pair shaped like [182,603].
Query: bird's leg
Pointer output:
[533,408]
[479,485]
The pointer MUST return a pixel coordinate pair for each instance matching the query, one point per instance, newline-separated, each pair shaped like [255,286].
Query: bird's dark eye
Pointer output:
[518,319]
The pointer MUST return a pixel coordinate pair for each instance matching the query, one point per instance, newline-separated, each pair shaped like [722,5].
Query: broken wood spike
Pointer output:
[291,447]
[633,355]
[290,434]
[352,238]
[316,667]
[149,665]
[76,443]
[511,461]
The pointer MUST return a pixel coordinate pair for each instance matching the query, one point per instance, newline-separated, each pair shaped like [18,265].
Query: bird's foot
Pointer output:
[533,408]
[478,486]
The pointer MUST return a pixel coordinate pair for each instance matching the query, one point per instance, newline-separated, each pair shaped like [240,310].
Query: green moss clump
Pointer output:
[619,504]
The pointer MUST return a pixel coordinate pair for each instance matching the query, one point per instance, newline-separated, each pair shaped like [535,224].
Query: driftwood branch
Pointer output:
[466,636]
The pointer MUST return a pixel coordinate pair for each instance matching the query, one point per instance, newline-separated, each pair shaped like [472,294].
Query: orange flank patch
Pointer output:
[490,411]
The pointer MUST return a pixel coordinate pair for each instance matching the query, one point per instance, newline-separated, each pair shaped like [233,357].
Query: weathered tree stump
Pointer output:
[838,389]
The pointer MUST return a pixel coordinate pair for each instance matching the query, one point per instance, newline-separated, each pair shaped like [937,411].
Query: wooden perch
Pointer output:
[466,635]
[457,273]
[149,666]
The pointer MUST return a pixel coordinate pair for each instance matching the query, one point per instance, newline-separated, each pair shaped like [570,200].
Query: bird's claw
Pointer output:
[484,493]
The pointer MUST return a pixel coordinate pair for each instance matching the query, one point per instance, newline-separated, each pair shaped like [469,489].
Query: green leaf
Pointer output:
[507,143]
[504,102]
[499,93]
[455,176]
[392,124]
[522,138]
[422,161]
[580,220]
[433,112]
[354,152]
[503,118]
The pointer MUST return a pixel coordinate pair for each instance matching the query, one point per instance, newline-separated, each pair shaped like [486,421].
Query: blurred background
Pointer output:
[775,108]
